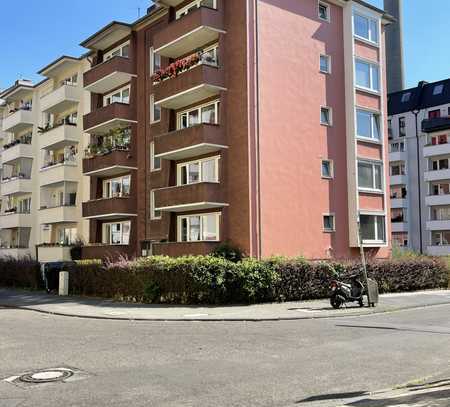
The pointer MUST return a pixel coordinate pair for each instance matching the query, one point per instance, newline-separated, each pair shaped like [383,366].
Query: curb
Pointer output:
[224,319]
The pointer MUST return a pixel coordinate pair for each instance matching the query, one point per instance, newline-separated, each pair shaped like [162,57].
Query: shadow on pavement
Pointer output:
[436,399]
[333,396]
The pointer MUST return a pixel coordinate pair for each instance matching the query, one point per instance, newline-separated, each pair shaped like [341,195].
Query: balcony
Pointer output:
[434,150]
[190,87]
[398,156]
[191,142]
[109,208]
[59,214]
[59,137]
[58,173]
[438,225]
[201,196]
[15,220]
[16,186]
[438,250]
[198,28]
[50,253]
[16,253]
[18,121]
[436,124]
[436,175]
[108,75]
[15,153]
[103,251]
[399,227]
[399,203]
[177,249]
[434,200]
[108,117]
[111,164]
[398,180]
[61,99]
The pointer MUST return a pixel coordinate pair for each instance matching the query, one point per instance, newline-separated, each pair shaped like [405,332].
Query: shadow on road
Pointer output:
[444,331]
[333,396]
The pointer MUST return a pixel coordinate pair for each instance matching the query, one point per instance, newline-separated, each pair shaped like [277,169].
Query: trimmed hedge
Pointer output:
[215,280]
[20,273]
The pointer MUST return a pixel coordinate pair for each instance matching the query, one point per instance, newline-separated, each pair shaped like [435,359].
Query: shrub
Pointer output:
[20,273]
[229,251]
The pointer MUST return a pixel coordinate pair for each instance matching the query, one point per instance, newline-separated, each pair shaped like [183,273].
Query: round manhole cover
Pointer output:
[46,376]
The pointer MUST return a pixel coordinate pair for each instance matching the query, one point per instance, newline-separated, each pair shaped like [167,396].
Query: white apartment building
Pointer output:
[419,156]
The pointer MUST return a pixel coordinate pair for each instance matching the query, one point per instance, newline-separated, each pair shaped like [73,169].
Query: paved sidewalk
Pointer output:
[107,309]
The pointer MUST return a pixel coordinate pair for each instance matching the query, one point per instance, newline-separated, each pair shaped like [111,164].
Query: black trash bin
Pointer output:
[50,274]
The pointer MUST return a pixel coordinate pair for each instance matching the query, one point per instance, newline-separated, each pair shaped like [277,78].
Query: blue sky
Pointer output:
[58,28]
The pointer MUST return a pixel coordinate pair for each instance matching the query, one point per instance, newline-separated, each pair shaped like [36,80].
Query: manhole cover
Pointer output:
[46,376]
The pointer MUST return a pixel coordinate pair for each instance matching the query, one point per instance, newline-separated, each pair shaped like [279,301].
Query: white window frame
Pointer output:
[110,181]
[369,19]
[328,58]
[119,48]
[109,240]
[153,56]
[372,66]
[374,115]
[333,219]
[154,214]
[199,108]
[199,162]
[373,163]
[182,12]
[330,116]
[153,106]
[201,215]
[153,158]
[121,91]
[377,216]
[327,6]
[331,166]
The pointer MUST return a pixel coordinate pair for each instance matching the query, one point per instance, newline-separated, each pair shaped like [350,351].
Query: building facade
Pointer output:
[262,124]
[418,131]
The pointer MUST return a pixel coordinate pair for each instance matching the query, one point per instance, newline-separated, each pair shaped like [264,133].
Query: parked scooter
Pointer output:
[342,292]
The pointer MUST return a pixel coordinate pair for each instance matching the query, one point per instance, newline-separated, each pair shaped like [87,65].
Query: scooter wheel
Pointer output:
[335,302]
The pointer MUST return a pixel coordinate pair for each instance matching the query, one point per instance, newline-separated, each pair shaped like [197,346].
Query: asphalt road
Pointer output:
[285,363]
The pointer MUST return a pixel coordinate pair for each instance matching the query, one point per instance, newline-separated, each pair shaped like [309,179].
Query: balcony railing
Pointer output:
[106,118]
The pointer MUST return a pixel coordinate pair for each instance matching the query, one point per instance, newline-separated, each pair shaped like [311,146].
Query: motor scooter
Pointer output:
[343,292]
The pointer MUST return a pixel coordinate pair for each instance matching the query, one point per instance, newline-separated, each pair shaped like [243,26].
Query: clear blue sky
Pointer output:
[36,32]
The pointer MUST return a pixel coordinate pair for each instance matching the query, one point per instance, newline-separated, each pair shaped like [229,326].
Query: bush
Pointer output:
[228,251]
[20,273]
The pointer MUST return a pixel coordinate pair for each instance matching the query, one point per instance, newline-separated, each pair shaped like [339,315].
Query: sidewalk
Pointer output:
[107,309]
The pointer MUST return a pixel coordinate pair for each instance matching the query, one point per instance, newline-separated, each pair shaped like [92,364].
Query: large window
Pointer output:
[67,236]
[370,175]
[442,164]
[208,113]
[367,125]
[154,214]
[397,147]
[440,238]
[155,162]
[122,50]
[116,233]
[365,28]
[440,212]
[205,170]
[367,75]
[118,96]
[155,61]
[373,229]
[117,187]
[398,169]
[197,228]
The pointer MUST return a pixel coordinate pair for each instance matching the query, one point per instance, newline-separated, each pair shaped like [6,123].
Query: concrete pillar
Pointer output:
[63,283]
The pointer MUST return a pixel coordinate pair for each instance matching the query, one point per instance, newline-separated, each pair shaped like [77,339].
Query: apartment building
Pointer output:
[205,121]
[418,132]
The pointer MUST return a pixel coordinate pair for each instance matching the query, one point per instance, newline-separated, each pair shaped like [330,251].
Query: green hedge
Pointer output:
[214,280]
[20,273]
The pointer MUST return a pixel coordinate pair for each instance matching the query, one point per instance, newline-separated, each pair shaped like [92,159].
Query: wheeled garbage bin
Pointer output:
[372,288]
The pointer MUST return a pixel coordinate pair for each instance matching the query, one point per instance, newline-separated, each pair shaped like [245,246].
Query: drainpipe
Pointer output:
[416,113]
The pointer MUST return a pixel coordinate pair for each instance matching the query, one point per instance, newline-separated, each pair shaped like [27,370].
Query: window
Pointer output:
[406,96]
[210,55]
[67,236]
[437,165]
[397,147]
[155,61]
[440,189]
[325,64]
[155,161]
[440,213]
[402,126]
[205,170]
[155,110]
[400,239]
[327,169]
[373,228]
[436,140]
[398,215]
[438,89]
[367,75]
[199,228]
[398,192]
[432,114]
[365,28]
[122,50]
[71,80]
[118,96]
[208,113]
[328,223]
[117,187]
[324,11]
[367,125]
[325,116]
[390,133]
[154,214]
[116,233]
[194,5]
[370,175]
[440,238]
[398,169]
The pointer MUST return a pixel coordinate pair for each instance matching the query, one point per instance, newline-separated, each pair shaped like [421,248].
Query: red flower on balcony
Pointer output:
[176,68]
